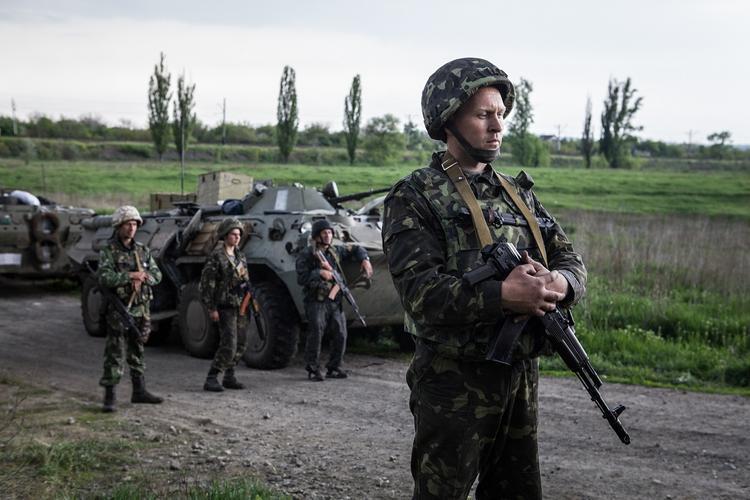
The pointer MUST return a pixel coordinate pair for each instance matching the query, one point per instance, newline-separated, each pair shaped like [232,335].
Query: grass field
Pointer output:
[666,249]
[101,185]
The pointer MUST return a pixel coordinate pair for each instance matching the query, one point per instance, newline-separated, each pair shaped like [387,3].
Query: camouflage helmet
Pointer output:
[229,224]
[319,226]
[453,84]
[124,214]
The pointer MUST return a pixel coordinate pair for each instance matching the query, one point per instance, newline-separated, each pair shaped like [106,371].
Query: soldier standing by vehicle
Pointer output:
[126,267]
[472,415]
[323,298]
[225,282]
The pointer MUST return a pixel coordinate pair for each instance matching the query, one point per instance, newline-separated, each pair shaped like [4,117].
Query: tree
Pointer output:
[720,148]
[526,148]
[617,122]
[286,112]
[587,140]
[720,138]
[352,116]
[158,106]
[184,121]
[384,143]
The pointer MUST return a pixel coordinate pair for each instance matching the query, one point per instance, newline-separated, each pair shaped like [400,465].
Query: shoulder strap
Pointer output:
[533,223]
[453,170]
[456,175]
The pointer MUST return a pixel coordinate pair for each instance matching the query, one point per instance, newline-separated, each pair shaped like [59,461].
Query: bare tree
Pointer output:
[286,112]
[620,106]
[158,106]
[352,117]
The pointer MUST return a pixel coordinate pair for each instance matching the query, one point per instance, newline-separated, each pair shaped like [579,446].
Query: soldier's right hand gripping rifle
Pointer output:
[500,259]
[122,310]
[340,284]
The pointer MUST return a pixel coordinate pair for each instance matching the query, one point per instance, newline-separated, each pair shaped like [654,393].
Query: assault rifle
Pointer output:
[121,309]
[500,259]
[341,284]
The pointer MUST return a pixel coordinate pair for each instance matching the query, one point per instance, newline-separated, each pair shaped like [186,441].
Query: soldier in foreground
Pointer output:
[225,282]
[126,267]
[316,266]
[473,416]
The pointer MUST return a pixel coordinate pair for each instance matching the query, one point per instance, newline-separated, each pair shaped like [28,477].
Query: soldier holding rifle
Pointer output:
[319,273]
[225,291]
[473,416]
[126,274]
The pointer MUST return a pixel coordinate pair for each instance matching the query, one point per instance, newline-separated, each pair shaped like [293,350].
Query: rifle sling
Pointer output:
[456,175]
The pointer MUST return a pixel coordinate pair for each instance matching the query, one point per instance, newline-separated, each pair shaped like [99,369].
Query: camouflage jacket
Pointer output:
[116,261]
[430,242]
[224,280]
[308,269]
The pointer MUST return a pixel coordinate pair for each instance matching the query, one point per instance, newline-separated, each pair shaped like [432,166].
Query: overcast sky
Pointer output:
[688,58]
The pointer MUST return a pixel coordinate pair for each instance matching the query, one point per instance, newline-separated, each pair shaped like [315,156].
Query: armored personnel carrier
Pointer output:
[33,234]
[278,221]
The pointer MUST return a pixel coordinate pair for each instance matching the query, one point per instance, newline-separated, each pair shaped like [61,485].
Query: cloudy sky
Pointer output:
[686,58]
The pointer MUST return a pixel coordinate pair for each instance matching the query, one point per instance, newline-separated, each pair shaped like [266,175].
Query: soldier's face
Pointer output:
[480,119]
[232,238]
[127,230]
[325,237]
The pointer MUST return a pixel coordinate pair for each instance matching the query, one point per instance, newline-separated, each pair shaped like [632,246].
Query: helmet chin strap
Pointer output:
[480,155]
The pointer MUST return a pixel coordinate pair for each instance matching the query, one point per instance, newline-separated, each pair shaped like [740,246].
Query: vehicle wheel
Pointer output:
[272,336]
[197,331]
[91,305]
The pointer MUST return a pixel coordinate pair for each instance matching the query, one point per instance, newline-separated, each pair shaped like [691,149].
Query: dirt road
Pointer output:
[351,438]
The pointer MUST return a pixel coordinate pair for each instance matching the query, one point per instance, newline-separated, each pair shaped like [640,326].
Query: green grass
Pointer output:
[633,191]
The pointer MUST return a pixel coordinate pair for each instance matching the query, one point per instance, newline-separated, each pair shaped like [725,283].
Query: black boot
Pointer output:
[212,382]
[230,381]
[109,399]
[140,394]
[314,374]
[336,373]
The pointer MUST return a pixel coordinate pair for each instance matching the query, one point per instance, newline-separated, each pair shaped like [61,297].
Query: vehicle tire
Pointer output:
[198,333]
[273,344]
[91,307]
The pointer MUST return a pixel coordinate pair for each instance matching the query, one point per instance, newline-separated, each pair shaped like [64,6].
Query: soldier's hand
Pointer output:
[140,276]
[523,292]
[326,275]
[214,315]
[558,284]
[325,265]
[367,268]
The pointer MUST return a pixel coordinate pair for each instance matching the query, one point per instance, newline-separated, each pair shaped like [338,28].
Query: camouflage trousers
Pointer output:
[473,418]
[321,316]
[119,344]
[232,338]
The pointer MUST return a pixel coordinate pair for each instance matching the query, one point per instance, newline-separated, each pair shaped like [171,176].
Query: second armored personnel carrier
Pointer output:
[278,221]
[33,234]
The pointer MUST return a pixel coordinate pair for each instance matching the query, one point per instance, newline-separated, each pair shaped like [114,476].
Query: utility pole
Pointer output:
[224,123]
[559,134]
[13,107]
[690,141]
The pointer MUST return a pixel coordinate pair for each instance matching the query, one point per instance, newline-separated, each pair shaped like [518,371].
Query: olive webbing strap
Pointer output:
[533,223]
[453,169]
